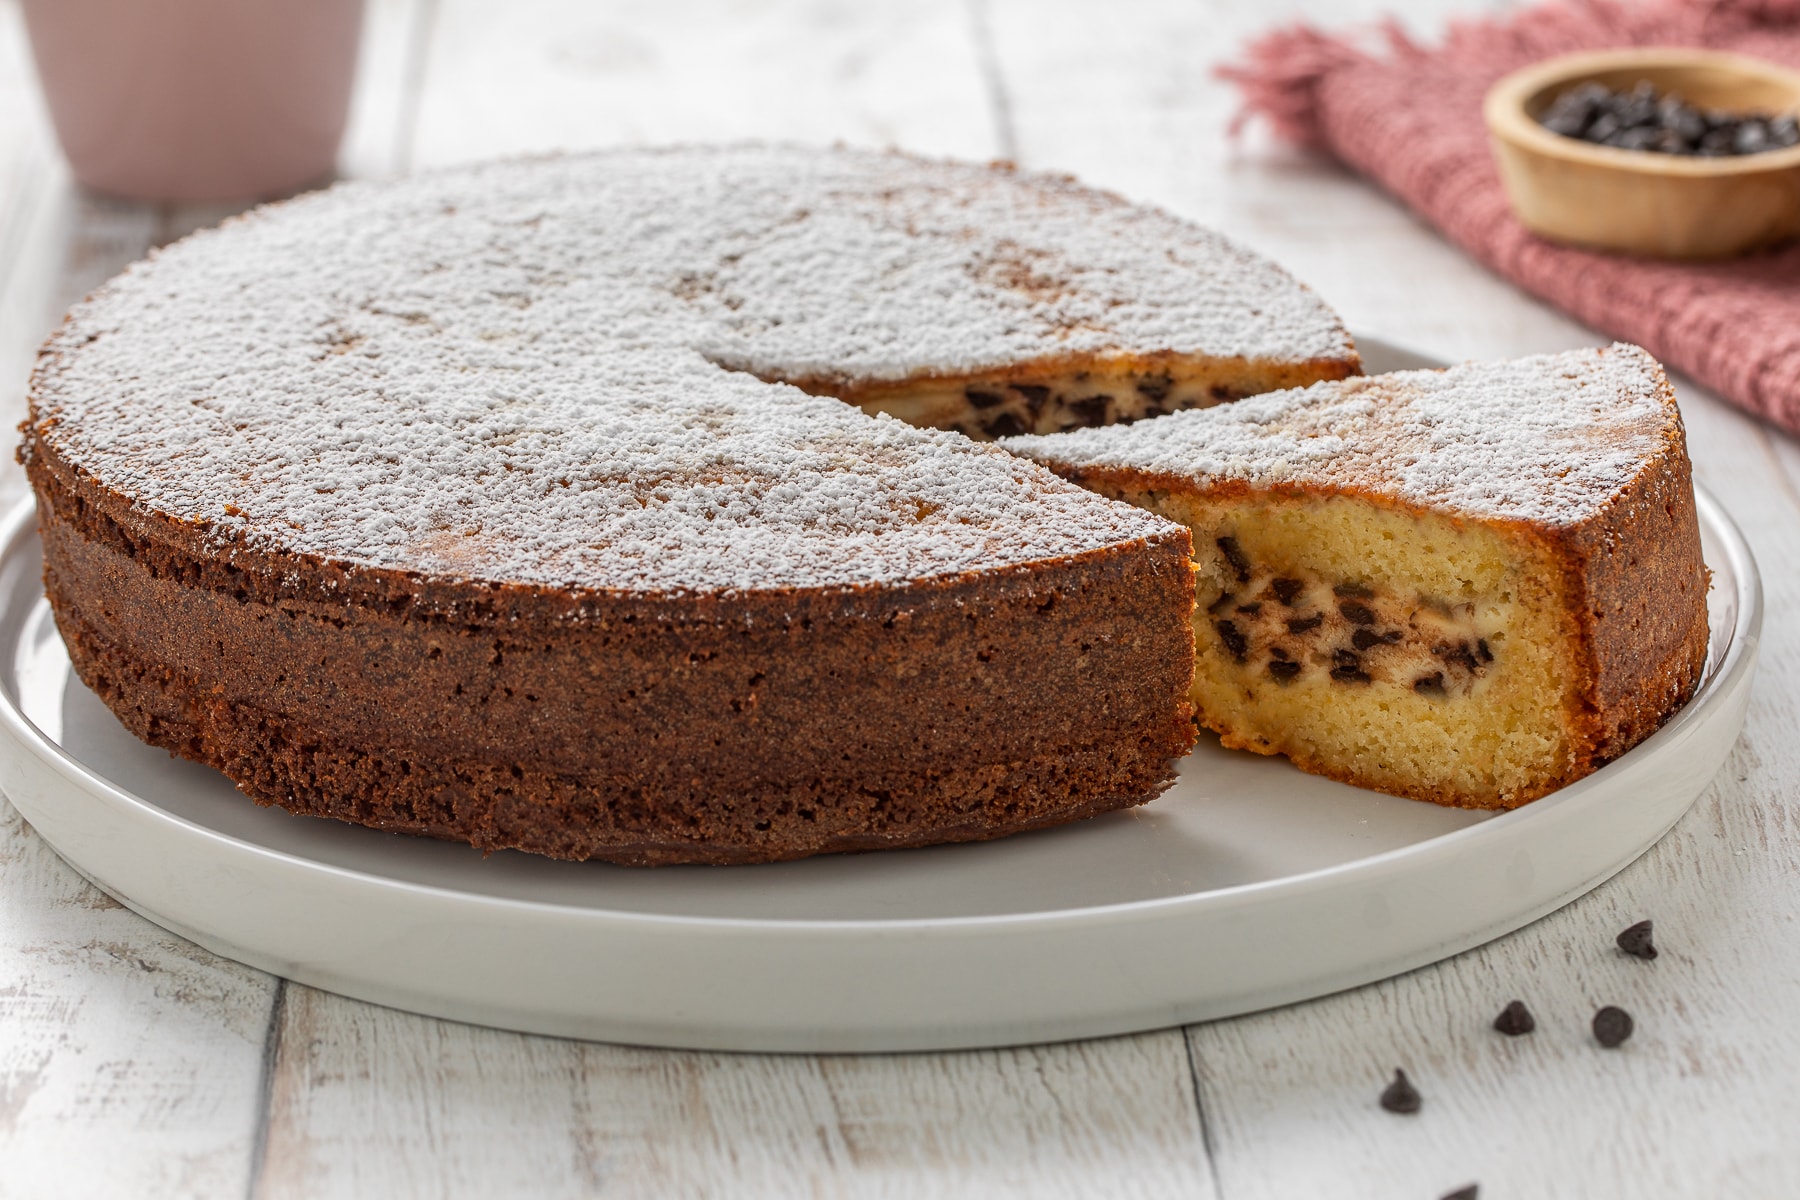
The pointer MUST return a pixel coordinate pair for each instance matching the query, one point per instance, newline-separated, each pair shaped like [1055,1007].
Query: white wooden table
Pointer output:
[133,1063]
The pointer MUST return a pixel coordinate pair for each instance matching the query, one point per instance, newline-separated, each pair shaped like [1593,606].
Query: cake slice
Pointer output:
[1471,586]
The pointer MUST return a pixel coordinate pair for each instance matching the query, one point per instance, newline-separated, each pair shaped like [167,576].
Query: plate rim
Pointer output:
[1738,658]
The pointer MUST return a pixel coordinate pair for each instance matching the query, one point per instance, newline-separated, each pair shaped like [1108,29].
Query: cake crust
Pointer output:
[659,729]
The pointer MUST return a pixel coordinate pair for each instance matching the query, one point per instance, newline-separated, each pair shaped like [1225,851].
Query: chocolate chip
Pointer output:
[1515,1019]
[1401,1096]
[1235,641]
[1458,655]
[1348,668]
[1283,671]
[1355,591]
[1229,548]
[983,399]
[1470,1192]
[1278,652]
[1302,624]
[1430,685]
[1091,409]
[1005,425]
[1357,614]
[1481,648]
[1036,395]
[1252,608]
[1155,388]
[1636,942]
[1222,392]
[1752,137]
[1222,603]
[1362,639]
[1286,589]
[1643,119]
[1612,1025]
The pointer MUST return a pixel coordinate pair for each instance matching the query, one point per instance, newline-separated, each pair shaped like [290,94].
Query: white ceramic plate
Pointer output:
[1246,885]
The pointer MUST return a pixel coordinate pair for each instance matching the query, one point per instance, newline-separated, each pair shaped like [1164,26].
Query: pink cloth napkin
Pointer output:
[1410,119]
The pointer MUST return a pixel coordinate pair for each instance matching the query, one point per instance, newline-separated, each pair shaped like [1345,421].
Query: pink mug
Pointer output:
[197,99]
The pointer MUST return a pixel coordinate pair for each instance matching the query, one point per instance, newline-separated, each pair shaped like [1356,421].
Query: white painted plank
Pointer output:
[540,75]
[131,1060]
[1701,1100]
[33,188]
[1123,96]
[377,141]
[368,1101]
[373,1102]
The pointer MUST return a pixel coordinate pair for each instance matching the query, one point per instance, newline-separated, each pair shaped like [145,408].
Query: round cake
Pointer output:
[513,504]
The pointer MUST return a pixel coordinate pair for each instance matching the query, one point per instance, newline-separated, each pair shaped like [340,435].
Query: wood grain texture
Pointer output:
[373,1102]
[1699,1102]
[132,1063]
[569,75]
[130,1059]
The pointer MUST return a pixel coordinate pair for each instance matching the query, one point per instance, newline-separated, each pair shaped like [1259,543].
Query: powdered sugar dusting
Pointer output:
[1546,439]
[535,371]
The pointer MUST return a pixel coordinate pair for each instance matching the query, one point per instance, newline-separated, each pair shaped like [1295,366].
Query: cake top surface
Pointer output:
[552,371]
[1546,439]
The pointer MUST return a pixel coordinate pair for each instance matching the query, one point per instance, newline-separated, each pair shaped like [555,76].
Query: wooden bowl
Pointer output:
[1640,201]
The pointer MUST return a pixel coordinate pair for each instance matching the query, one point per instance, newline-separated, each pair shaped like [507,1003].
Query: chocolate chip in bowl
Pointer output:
[1644,118]
[1661,152]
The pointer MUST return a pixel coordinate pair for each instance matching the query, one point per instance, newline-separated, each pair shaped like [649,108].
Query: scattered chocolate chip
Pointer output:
[1470,1192]
[1254,607]
[1401,1096]
[1362,639]
[1036,395]
[1481,648]
[1005,425]
[983,399]
[1348,668]
[1234,640]
[1354,591]
[1636,942]
[1302,624]
[1278,652]
[1222,603]
[1286,589]
[1430,685]
[1091,409]
[1222,392]
[1612,1025]
[1229,548]
[1155,388]
[1283,671]
[1357,614]
[1515,1019]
